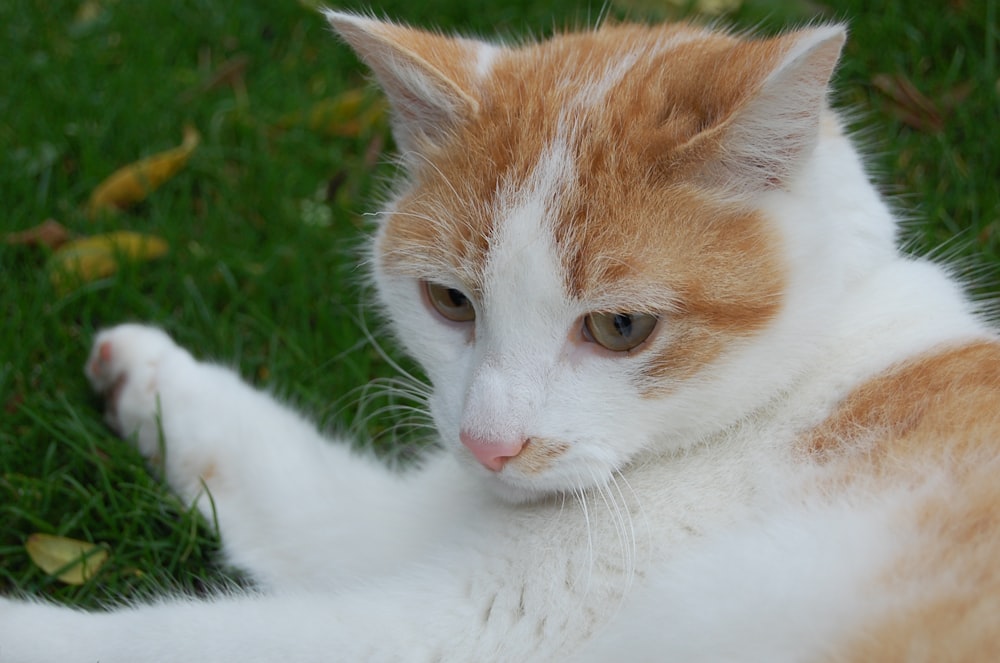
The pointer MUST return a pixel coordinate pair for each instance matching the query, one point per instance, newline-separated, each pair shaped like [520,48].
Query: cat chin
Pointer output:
[505,485]
[518,492]
[515,487]
[514,493]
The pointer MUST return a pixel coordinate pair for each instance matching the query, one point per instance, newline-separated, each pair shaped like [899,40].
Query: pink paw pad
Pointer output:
[102,357]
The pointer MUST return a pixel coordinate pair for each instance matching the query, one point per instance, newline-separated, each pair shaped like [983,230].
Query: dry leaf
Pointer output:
[49,233]
[90,258]
[231,73]
[132,183]
[909,104]
[350,113]
[73,562]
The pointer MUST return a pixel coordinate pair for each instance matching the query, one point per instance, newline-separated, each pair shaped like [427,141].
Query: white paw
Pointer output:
[123,367]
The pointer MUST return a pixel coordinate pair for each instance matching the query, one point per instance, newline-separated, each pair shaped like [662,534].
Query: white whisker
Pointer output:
[579,492]
[628,526]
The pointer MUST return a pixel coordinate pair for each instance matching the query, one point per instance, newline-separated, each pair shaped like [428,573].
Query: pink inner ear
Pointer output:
[763,143]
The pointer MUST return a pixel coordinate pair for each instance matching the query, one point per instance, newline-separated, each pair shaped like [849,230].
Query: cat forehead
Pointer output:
[610,236]
[568,129]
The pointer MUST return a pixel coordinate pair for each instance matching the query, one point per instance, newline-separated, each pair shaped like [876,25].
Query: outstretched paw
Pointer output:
[123,367]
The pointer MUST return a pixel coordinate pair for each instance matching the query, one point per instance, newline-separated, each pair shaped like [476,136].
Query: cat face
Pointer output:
[578,256]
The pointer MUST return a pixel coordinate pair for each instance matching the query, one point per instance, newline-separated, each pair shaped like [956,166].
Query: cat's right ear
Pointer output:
[761,142]
[429,79]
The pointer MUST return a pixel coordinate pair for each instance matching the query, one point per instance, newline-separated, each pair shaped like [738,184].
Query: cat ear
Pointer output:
[762,143]
[430,79]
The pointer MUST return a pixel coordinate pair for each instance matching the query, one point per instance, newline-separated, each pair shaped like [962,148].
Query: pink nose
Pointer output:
[492,454]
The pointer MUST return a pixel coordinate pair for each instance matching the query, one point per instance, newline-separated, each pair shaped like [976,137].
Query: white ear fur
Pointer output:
[426,102]
[766,139]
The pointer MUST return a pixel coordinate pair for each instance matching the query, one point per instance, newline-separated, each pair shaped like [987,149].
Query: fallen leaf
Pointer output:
[49,233]
[72,561]
[349,114]
[84,260]
[132,183]
[231,73]
[909,104]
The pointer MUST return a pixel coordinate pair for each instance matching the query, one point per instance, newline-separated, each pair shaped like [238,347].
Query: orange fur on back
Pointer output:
[932,419]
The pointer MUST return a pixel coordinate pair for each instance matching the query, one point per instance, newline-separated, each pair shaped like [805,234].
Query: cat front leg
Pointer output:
[248,629]
[465,608]
[293,508]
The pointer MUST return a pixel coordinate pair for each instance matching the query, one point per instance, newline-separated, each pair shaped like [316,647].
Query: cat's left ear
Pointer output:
[430,79]
[764,140]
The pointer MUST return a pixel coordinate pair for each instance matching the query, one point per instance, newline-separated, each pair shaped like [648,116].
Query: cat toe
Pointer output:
[122,368]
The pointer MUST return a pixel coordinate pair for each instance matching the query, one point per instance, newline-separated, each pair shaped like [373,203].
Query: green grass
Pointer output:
[248,281]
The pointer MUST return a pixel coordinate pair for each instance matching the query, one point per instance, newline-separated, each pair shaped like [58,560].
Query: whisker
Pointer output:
[628,527]
[618,518]
[581,497]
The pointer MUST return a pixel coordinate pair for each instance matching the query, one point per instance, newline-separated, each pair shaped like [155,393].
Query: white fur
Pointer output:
[675,528]
[486,54]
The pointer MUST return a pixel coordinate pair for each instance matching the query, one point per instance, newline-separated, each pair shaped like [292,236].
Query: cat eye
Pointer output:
[449,302]
[618,332]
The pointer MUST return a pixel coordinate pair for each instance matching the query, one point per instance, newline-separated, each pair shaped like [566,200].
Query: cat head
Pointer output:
[592,252]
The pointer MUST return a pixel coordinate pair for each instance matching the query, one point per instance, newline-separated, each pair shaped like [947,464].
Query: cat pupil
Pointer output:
[458,300]
[623,325]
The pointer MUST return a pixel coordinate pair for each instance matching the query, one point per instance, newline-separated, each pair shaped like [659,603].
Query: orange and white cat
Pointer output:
[695,405]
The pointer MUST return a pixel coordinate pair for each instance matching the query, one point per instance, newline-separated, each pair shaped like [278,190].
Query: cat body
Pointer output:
[695,404]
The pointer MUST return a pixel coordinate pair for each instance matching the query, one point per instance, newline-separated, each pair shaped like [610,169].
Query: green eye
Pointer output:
[618,332]
[449,302]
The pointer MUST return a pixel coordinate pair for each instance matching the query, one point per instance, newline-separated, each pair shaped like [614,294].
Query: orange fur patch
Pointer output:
[934,418]
[944,404]
[538,454]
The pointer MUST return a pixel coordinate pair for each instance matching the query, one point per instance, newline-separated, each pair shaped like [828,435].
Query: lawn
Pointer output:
[263,222]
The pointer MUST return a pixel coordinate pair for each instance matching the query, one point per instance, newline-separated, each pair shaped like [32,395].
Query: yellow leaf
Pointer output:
[73,562]
[90,258]
[350,113]
[132,183]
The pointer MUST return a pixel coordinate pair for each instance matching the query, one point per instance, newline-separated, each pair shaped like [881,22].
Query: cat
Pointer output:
[695,404]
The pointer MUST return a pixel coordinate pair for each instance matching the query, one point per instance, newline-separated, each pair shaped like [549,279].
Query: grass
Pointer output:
[264,222]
